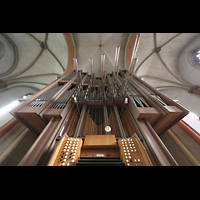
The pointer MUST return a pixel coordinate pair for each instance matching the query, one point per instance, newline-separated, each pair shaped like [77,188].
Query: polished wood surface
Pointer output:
[100,152]
[158,149]
[100,141]
[67,152]
[132,153]
[174,114]
[150,113]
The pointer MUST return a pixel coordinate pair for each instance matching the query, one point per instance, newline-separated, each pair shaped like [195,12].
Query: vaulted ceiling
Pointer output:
[27,65]
[30,61]
[92,45]
[164,63]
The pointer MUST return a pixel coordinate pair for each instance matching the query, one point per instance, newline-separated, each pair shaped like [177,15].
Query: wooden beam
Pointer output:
[189,131]
[71,53]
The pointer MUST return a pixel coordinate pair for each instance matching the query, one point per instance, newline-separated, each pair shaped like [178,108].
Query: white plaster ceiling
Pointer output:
[87,46]
[169,70]
[26,67]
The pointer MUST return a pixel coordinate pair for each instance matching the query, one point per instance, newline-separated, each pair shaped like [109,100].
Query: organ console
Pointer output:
[75,109]
[133,152]
[67,153]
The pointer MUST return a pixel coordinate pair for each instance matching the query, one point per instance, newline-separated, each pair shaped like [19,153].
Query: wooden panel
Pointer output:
[158,149]
[32,121]
[49,113]
[37,94]
[67,153]
[71,52]
[100,141]
[57,113]
[149,113]
[100,152]
[173,116]
[100,146]
[132,152]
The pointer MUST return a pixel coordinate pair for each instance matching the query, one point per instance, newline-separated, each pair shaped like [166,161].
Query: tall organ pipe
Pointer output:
[135,47]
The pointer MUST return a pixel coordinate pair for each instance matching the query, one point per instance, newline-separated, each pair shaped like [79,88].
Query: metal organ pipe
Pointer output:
[135,47]
[116,59]
[128,76]
[91,65]
[102,65]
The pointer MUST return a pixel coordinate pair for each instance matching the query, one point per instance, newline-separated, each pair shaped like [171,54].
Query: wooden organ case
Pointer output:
[70,116]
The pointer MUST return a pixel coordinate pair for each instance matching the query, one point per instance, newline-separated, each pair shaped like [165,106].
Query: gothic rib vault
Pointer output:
[32,60]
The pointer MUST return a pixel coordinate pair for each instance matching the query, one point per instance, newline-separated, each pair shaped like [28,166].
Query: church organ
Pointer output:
[74,110]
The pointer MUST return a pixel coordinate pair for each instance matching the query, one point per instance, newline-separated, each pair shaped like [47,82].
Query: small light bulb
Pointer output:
[108,129]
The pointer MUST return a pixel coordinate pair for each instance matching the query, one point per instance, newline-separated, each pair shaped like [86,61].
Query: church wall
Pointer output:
[189,101]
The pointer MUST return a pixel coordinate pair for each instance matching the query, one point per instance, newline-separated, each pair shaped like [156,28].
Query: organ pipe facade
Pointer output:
[115,119]
[57,114]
